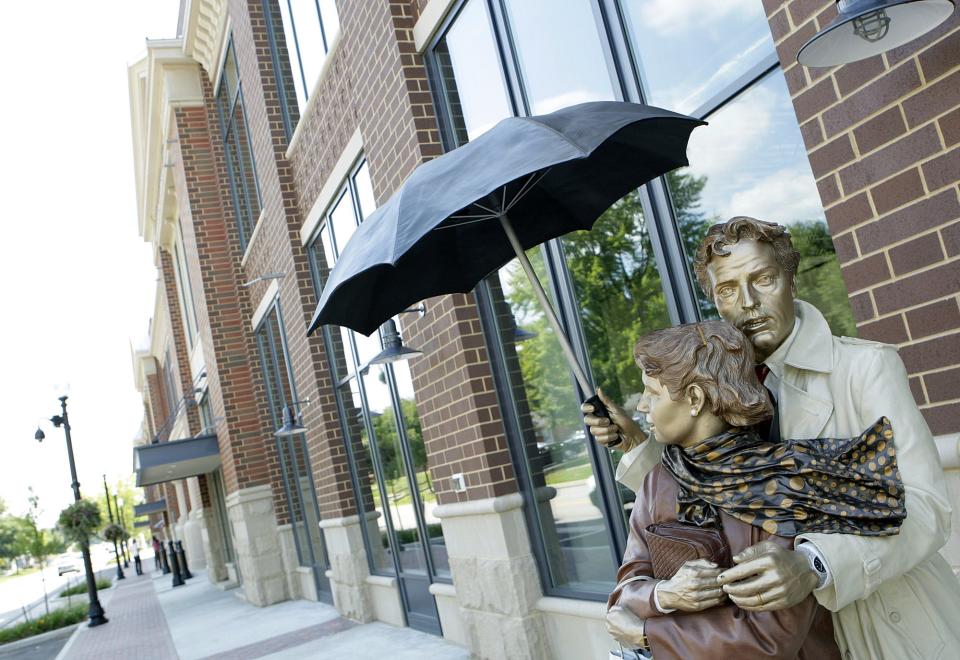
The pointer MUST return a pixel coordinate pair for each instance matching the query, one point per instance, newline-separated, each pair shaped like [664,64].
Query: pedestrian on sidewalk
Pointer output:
[156,551]
[136,556]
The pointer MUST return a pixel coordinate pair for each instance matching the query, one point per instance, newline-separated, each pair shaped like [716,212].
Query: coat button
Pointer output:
[895,617]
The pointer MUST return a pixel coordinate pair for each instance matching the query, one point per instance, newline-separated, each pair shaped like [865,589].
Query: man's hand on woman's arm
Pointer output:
[617,432]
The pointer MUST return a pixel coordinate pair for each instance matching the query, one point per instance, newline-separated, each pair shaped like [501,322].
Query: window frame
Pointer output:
[351,355]
[273,312]
[228,122]
[677,280]
[275,32]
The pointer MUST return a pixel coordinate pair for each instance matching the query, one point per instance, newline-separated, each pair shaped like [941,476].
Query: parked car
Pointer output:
[67,565]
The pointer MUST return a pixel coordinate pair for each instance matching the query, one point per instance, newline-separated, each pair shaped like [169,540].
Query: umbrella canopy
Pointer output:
[551,174]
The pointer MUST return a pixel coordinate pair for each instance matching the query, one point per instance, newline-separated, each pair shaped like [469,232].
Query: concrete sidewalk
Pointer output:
[151,619]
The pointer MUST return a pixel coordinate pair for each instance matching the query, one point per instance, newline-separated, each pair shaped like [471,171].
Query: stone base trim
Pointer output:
[259,555]
[451,620]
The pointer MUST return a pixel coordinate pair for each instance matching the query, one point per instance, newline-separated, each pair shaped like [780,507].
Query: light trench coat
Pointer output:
[892,597]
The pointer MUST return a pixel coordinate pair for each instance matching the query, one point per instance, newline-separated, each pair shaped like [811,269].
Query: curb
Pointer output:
[42,637]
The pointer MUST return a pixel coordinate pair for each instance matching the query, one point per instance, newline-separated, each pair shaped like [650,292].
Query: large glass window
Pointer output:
[308,29]
[294,456]
[241,166]
[628,275]
[690,50]
[764,172]
[470,72]
[188,311]
[561,56]
[380,419]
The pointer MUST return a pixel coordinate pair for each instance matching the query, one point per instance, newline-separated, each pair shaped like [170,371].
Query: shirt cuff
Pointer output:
[656,600]
[817,563]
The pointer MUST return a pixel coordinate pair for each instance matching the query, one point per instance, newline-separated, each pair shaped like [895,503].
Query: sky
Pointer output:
[76,280]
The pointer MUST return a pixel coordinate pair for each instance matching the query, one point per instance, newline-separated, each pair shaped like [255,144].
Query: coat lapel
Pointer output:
[803,414]
[805,404]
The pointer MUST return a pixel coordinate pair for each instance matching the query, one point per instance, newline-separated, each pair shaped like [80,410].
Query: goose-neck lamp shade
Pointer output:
[291,424]
[864,28]
[393,348]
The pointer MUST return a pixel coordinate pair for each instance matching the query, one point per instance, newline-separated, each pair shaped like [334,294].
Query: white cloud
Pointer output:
[76,281]
[785,196]
[668,16]
[733,137]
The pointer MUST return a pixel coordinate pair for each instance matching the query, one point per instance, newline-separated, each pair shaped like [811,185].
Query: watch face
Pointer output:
[818,565]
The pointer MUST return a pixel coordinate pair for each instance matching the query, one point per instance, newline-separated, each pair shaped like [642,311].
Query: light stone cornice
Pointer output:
[160,82]
[204,32]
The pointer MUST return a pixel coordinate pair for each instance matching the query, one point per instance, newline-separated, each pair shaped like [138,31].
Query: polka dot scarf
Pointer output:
[847,486]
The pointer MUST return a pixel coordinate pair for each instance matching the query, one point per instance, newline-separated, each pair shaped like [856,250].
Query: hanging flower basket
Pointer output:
[79,521]
[114,532]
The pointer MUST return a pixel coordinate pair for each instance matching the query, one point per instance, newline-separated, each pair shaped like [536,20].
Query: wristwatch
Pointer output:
[815,562]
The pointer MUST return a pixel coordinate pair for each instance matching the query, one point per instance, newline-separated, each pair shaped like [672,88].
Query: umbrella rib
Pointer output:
[467,221]
[534,179]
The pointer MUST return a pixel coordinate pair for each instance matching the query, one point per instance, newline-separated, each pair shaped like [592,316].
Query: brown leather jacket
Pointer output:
[804,631]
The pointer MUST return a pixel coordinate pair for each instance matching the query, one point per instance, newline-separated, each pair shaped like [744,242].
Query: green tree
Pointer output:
[40,544]
[14,538]
[619,295]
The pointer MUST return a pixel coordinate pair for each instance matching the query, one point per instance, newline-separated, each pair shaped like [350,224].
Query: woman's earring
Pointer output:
[693,413]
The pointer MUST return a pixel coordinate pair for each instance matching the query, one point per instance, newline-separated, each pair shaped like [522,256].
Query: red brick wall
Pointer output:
[158,403]
[181,353]
[883,136]
[224,313]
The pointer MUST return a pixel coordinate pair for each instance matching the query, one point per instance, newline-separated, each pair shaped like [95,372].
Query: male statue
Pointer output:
[892,596]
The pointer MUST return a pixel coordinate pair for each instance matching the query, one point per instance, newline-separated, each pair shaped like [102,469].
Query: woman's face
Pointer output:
[670,421]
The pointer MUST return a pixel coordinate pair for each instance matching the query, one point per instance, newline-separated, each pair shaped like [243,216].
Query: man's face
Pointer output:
[754,293]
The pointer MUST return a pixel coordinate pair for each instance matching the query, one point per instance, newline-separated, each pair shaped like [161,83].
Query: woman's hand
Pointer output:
[693,588]
[609,432]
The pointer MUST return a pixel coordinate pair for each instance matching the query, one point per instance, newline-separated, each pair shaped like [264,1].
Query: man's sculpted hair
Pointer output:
[714,355]
[732,231]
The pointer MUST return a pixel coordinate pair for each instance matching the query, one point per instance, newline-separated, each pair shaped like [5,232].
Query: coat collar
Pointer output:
[812,348]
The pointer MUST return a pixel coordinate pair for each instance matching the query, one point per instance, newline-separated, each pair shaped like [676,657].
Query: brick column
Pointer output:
[882,137]
[181,352]
[236,388]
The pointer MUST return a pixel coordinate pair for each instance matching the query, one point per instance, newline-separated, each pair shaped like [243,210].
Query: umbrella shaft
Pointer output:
[547,307]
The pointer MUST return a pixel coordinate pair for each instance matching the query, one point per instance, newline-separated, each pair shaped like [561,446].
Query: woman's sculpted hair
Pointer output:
[714,355]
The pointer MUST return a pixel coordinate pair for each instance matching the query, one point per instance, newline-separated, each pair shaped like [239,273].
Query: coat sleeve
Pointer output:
[637,463]
[859,564]
[638,596]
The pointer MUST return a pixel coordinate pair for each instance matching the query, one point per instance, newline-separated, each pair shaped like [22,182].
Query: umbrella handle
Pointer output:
[547,307]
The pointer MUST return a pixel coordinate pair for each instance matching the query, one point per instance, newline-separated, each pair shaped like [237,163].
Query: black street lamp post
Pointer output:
[106,492]
[95,613]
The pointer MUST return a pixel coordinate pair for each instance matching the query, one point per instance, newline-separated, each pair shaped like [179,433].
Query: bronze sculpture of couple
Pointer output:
[791,501]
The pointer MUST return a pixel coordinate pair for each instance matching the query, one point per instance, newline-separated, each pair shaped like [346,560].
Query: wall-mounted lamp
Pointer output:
[393,348]
[291,421]
[864,28]
[264,278]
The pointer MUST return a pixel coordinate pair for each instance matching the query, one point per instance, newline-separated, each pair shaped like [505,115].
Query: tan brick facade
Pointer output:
[882,137]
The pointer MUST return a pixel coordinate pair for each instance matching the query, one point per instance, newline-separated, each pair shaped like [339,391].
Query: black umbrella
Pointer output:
[461,216]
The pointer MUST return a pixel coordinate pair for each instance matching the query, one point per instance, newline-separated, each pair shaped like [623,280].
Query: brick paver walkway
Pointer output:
[137,627]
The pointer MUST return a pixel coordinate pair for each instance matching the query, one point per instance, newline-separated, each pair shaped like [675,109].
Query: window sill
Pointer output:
[312,99]
[252,239]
